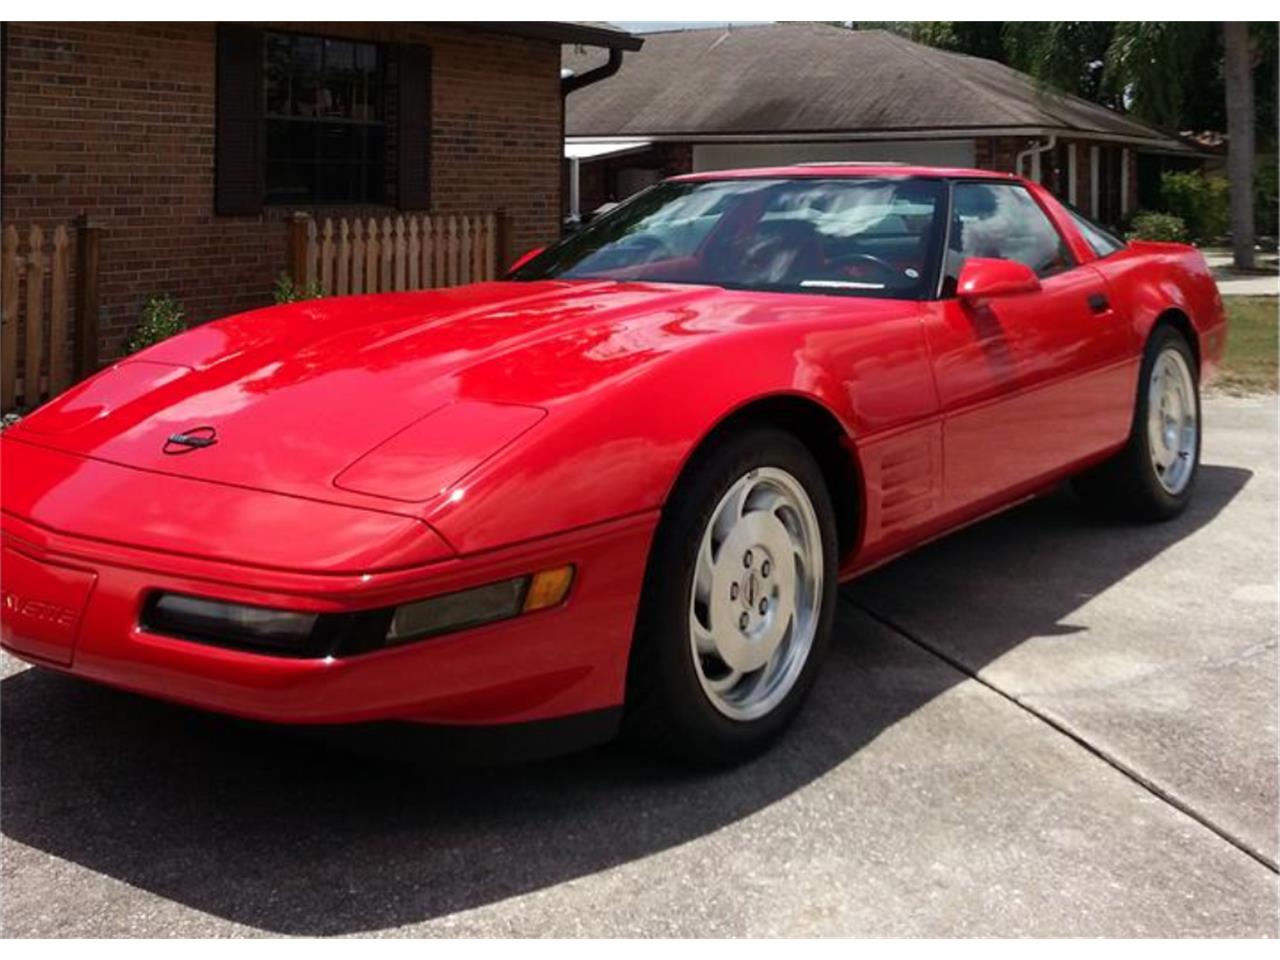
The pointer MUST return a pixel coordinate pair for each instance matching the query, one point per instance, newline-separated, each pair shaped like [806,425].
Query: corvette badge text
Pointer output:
[39,610]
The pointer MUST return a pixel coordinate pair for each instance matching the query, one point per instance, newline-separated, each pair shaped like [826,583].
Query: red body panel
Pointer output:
[381,449]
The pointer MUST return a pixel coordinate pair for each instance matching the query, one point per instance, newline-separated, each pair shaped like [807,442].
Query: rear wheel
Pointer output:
[1153,476]
[738,601]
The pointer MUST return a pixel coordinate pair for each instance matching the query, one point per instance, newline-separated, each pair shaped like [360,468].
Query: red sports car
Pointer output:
[617,489]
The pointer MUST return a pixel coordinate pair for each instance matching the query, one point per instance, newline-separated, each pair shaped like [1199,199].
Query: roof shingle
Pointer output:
[809,78]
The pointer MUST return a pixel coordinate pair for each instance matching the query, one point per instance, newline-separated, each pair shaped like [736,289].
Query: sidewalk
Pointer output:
[1235,284]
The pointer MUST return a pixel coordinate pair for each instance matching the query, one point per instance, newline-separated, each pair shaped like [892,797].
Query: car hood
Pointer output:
[294,395]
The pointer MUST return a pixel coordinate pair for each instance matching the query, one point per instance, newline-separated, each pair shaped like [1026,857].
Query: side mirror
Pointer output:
[983,279]
[525,258]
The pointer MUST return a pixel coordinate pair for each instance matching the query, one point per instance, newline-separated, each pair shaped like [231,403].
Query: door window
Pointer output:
[1002,221]
[1103,242]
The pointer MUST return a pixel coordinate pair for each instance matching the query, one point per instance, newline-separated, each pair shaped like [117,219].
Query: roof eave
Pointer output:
[560,32]
[1151,144]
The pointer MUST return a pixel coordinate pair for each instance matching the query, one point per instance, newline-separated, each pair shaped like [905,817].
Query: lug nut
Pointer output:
[765,568]
[733,591]
[742,621]
[746,559]
[764,607]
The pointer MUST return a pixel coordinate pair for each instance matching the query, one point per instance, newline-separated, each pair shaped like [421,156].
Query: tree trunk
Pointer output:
[1238,74]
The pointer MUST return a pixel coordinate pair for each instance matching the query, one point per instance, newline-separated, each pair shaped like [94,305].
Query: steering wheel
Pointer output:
[884,266]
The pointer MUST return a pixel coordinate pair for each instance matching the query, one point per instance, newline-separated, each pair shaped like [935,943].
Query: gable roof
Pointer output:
[803,79]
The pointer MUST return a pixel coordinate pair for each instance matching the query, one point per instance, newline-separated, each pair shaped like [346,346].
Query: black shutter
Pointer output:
[238,152]
[413,127]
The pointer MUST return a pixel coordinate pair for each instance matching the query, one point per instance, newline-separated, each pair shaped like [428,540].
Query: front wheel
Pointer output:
[738,601]
[1153,476]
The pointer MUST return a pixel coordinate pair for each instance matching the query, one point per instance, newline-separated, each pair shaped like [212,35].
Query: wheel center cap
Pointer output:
[751,591]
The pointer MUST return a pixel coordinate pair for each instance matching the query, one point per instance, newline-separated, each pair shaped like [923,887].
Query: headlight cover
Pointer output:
[432,454]
[315,635]
[217,621]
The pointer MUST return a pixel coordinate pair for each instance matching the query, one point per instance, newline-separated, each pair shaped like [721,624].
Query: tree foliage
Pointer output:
[1167,73]
[1066,55]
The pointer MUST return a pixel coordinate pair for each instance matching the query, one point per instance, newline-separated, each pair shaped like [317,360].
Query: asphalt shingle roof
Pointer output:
[817,78]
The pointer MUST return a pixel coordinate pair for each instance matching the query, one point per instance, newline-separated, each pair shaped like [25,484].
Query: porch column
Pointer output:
[1071,174]
[575,188]
[1095,155]
[1126,157]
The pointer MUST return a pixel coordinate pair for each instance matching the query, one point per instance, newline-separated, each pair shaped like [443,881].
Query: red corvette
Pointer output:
[618,488]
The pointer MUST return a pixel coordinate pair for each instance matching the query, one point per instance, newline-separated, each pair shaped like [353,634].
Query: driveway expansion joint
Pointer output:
[1111,760]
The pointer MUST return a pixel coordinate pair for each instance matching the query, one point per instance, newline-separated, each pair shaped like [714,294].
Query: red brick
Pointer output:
[117,121]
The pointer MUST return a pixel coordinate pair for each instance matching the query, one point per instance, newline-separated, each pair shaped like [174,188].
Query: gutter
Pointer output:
[567,86]
[1172,148]
[594,75]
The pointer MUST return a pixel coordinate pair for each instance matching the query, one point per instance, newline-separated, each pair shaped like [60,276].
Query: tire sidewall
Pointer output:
[670,583]
[1167,504]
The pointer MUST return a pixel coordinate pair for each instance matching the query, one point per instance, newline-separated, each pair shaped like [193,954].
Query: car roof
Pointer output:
[836,169]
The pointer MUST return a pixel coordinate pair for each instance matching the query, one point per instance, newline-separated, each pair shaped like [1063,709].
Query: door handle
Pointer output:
[1099,303]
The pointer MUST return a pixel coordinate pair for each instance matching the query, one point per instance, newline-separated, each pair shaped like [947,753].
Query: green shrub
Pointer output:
[1203,203]
[1149,225]
[161,319]
[286,291]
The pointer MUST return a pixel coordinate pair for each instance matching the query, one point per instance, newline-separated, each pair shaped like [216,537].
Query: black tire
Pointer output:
[667,709]
[1128,484]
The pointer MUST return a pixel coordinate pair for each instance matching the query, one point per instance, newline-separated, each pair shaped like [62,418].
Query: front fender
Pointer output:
[618,448]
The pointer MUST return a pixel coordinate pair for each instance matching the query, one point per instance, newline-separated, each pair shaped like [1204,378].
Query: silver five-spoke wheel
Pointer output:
[757,593]
[1172,425]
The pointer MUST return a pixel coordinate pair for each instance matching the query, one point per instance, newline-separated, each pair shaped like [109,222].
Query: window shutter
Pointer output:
[238,152]
[413,126]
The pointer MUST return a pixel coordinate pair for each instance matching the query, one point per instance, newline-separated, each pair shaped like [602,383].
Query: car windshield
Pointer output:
[859,236]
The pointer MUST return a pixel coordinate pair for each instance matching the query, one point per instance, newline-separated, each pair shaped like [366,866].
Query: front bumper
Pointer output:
[73,603]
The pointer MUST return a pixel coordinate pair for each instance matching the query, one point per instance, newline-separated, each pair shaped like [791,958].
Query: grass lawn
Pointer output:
[1250,364]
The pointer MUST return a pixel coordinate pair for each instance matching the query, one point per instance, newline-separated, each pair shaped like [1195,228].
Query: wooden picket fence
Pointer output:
[35,302]
[395,253]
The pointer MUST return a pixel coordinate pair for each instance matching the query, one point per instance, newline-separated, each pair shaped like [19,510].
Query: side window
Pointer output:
[1002,221]
[1103,242]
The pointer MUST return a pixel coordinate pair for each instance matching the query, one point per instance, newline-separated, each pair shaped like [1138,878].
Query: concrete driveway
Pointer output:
[1046,724]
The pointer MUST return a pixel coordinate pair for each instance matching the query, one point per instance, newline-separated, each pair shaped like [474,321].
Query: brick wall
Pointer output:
[998,153]
[117,121]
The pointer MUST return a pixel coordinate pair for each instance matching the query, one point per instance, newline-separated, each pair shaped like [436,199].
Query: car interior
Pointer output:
[873,237]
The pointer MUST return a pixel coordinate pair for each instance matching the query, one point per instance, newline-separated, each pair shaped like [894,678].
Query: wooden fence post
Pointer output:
[298,249]
[490,247]
[35,318]
[9,321]
[504,243]
[88,248]
[58,378]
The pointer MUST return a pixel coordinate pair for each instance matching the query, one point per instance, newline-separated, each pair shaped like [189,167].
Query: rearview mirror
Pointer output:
[982,279]
[525,258]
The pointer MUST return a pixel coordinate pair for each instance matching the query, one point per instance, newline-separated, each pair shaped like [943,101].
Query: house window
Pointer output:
[325,129]
[305,120]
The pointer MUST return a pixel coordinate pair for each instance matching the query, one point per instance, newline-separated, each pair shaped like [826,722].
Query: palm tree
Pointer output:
[1238,75]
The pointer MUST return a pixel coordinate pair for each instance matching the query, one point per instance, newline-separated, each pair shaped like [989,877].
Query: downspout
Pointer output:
[567,86]
[1041,148]
[594,75]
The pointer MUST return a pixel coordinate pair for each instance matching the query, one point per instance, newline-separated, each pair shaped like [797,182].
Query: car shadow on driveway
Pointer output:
[290,836]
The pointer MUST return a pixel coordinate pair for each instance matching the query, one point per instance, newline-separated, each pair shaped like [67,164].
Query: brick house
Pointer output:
[717,98]
[190,146]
